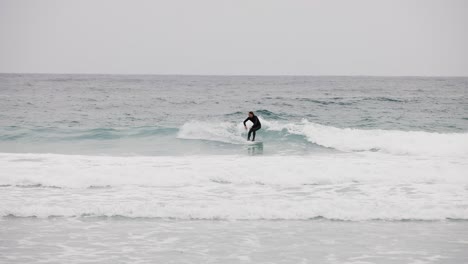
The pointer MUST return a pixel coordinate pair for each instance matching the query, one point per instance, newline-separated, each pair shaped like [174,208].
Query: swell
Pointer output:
[191,218]
[264,113]
[353,100]
[76,134]
[274,131]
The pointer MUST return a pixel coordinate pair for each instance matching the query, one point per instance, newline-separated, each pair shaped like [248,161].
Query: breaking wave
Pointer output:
[342,139]
[348,186]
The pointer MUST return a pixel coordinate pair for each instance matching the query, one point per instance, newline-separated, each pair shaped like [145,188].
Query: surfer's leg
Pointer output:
[250,132]
[254,130]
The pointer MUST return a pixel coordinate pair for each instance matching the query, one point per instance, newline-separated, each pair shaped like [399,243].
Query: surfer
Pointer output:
[256,125]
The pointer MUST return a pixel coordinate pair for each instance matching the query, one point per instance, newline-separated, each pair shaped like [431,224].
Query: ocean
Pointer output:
[157,169]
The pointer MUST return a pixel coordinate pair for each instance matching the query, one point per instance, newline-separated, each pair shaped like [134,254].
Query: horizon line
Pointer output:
[239,75]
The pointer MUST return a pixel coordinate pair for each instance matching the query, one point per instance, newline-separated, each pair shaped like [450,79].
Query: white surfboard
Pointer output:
[254,142]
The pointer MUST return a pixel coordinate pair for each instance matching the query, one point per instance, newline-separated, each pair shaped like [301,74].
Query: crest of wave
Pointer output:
[395,142]
[387,141]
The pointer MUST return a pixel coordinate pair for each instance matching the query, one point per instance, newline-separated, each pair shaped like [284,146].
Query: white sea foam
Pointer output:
[223,132]
[348,186]
[341,202]
[84,171]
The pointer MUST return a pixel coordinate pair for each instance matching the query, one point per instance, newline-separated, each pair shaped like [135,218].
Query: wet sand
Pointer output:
[126,240]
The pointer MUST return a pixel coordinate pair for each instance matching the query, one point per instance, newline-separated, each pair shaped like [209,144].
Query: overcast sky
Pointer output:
[264,37]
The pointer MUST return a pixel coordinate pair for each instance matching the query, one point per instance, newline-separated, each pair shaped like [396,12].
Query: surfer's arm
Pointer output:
[247,119]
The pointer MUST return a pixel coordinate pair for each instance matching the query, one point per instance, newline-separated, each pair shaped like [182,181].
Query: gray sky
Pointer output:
[322,37]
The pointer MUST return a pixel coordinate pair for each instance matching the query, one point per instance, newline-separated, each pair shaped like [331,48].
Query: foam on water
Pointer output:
[389,141]
[222,131]
[369,148]
[84,171]
[354,186]
[343,139]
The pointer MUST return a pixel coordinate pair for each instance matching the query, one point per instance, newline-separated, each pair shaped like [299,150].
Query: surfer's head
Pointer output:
[251,114]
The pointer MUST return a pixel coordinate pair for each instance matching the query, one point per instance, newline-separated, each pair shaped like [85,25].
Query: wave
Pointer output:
[270,115]
[388,141]
[342,139]
[351,100]
[110,216]
[179,214]
[79,171]
[325,102]
[65,134]
[277,132]
[386,99]
[362,186]
[261,112]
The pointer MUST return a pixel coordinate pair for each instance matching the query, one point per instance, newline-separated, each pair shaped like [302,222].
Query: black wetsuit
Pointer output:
[256,126]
